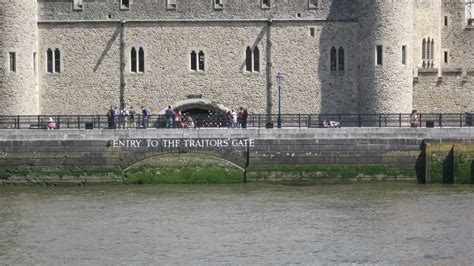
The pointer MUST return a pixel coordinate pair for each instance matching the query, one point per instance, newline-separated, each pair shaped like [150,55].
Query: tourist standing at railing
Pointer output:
[124,118]
[133,113]
[230,119]
[169,117]
[116,116]
[243,114]
[177,118]
[190,122]
[146,114]
[110,117]
[234,119]
[414,119]
[51,124]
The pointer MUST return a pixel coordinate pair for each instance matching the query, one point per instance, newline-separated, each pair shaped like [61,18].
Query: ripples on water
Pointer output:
[237,224]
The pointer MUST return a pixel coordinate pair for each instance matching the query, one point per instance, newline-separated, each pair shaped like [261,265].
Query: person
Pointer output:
[110,117]
[325,123]
[132,113]
[177,118]
[414,119]
[230,119]
[115,117]
[124,118]
[234,119]
[51,124]
[244,115]
[190,122]
[334,124]
[169,116]
[146,114]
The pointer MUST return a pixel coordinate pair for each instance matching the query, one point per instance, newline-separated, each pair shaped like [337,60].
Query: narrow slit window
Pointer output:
[423,50]
[256,59]
[446,57]
[34,62]
[12,62]
[49,59]
[248,59]
[333,59]
[141,60]
[445,20]
[379,55]
[432,50]
[57,61]
[428,50]
[201,61]
[404,55]
[133,60]
[193,61]
[311,32]
[341,59]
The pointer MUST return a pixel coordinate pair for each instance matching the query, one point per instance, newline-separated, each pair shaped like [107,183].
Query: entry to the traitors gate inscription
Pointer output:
[187,143]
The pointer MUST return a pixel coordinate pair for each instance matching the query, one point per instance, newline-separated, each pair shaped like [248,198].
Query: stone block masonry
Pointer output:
[296,156]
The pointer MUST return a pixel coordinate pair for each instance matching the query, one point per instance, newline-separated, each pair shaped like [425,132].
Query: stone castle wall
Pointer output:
[18,35]
[89,41]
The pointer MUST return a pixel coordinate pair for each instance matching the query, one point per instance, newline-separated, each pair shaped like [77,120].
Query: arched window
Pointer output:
[57,61]
[49,58]
[333,59]
[423,50]
[341,59]
[201,61]
[141,60]
[432,49]
[256,59]
[248,59]
[428,50]
[193,61]
[133,60]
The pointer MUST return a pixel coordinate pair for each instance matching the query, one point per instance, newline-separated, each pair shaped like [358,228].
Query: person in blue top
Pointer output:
[169,117]
[146,114]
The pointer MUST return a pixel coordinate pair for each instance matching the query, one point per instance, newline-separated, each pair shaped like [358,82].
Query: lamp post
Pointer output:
[279,78]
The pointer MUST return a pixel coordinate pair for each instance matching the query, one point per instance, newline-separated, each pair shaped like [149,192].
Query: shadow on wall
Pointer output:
[336,46]
[448,168]
[420,166]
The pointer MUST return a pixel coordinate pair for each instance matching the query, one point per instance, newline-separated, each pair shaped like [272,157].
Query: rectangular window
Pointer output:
[218,4]
[313,4]
[124,4]
[34,62]
[77,5]
[379,55]
[57,61]
[171,4]
[12,62]
[404,55]
[445,20]
[265,4]
[446,57]
[49,58]
[311,32]
[201,60]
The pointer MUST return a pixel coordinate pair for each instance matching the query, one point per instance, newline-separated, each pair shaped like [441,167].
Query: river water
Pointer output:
[237,224]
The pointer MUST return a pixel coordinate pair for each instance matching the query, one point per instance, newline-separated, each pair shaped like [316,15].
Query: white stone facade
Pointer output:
[95,42]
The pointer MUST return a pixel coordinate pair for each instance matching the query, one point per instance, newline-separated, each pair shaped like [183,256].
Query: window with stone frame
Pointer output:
[265,4]
[427,53]
[469,12]
[379,55]
[341,60]
[218,4]
[198,61]
[133,60]
[252,59]
[125,4]
[57,61]
[53,60]
[171,4]
[333,59]
[77,5]
[141,60]
[313,4]
[12,61]
[404,54]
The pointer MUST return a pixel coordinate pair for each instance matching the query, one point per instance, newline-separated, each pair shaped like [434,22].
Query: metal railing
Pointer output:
[458,120]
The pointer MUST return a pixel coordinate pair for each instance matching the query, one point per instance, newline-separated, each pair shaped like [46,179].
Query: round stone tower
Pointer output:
[18,57]
[385,30]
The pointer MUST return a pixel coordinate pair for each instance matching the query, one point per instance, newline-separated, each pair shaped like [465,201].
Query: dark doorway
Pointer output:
[205,117]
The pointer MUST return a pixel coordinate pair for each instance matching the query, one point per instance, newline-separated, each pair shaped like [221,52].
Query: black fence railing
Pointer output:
[222,121]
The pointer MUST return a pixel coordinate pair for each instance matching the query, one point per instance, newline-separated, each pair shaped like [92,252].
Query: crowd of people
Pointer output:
[129,118]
